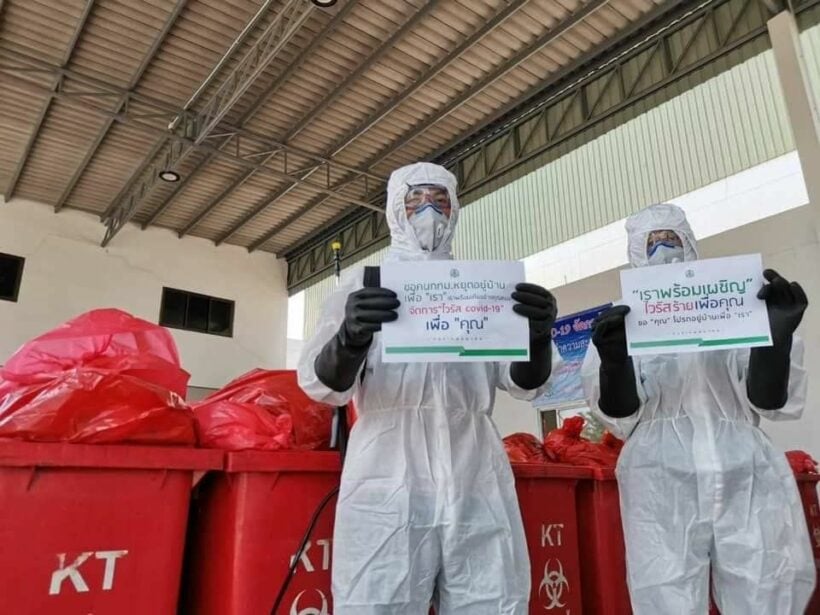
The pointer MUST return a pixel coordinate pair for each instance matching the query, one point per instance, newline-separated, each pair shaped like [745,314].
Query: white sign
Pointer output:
[696,306]
[454,311]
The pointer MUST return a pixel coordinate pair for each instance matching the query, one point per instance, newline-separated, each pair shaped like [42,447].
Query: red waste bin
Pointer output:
[601,541]
[547,497]
[603,565]
[247,525]
[92,528]
[807,485]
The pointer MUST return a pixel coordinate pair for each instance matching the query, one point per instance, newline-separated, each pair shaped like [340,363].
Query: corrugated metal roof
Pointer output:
[729,123]
[372,83]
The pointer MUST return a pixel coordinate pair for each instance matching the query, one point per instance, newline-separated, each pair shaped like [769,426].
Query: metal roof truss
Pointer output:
[584,95]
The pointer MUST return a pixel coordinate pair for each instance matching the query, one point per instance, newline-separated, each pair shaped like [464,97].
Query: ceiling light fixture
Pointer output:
[168,175]
[323,4]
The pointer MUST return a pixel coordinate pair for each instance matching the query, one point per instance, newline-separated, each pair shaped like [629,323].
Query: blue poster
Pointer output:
[571,335]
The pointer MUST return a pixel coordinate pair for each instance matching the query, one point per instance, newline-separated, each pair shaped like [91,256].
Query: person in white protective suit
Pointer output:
[702,487]
[427,506]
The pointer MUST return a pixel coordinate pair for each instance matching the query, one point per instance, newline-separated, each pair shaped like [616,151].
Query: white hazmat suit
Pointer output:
[427,500]
[701,485]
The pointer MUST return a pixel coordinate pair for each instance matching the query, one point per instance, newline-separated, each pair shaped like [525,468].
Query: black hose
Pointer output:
[341,443]
[301,550]
[342,432]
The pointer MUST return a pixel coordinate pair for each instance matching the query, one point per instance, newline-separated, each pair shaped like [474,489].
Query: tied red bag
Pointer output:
[104,377]
[801,462]
[101,338]
[608,441]
[566,445]
[263,410]
[525,448]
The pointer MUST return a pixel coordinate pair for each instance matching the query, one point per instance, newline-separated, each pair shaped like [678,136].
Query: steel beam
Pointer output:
[381,113]
[526,52]
[377,55]
[374,57]
[520,110]
[529,116]
[283,224]
[41,117]
[203,213]
[264,98]
[197,128]
[286,23]
[103,132]
[88,92]
[199,216]
[429,74]
[255,212]
[178,188]
[320,38]
[78,86]
[240,40]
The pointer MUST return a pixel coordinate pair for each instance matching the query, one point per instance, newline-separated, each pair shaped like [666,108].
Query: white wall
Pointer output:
[67,272]
[296,329]
[789,244]
[764,190]
[513,416]
[293,352]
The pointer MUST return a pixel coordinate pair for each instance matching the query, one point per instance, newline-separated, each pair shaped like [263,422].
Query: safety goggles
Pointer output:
[427,196]
[667,238]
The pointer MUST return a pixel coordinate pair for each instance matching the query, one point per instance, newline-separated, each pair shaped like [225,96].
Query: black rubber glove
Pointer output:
[619,393]
[538,306]
[767,384]
[340,360]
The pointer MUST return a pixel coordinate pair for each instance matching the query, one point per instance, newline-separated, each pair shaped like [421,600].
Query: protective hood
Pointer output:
[660,217]
[403,245]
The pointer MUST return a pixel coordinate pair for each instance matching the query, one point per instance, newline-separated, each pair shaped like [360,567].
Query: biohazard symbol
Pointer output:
[311,610]
[553,584]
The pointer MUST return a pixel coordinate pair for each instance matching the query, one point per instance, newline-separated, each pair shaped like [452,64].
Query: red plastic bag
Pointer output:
[93,406]
[263,410]
[104,377]
[610,442]
[101,338]
[524,448]
[801,462]
[566,445]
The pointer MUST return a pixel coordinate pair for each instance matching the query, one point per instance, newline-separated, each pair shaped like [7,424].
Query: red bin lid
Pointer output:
[603,473]
[283,461]
[550,470]
[64,455]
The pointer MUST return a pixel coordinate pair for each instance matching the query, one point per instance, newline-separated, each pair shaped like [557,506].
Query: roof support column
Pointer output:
[800,103]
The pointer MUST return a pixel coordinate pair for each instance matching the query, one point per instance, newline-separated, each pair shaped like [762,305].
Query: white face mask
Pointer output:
[665,255]
[429,226]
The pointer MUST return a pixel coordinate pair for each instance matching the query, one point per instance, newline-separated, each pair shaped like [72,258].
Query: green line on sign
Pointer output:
[457,350]
[735,340]
[687,342]
[696,341]
[424,350]
[510,352]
